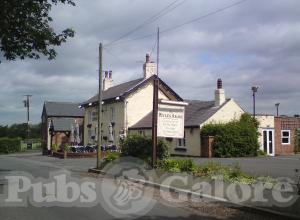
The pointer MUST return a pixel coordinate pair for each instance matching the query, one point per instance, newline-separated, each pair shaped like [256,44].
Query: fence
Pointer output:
[33,144]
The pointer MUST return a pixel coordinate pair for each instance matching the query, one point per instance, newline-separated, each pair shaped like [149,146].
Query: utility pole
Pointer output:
[99,108]
[155,108]
[26,105]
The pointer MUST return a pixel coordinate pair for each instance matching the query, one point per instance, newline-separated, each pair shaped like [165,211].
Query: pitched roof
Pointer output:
[63,124]
[126,88]
[63,109]
[115,91]
[196,113]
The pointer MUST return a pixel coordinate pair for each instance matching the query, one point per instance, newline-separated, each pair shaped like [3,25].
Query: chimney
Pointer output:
[149,67]
[219,93]
[107,81]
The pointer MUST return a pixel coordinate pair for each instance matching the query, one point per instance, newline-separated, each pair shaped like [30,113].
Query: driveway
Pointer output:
[280,166]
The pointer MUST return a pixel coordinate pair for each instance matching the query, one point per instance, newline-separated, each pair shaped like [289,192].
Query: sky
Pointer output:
[252,43]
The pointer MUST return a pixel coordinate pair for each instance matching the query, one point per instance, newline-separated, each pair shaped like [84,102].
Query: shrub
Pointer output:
[261,153]
[10,145]
[210,170]
[234,139]
[177,165]
[111,156]
[66,147]
[141,147]
[54,147]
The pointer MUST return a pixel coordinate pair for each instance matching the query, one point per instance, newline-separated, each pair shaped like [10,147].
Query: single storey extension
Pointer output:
[62,123]
[278,134]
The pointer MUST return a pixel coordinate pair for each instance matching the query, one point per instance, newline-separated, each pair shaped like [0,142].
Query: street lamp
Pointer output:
[254,90]
[277,107]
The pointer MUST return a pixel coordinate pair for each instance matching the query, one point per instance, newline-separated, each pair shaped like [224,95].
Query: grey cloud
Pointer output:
[256,42]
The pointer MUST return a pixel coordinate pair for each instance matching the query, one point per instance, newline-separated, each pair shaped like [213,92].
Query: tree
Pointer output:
[25,30]
[3,131]
[20,130]
[17,130]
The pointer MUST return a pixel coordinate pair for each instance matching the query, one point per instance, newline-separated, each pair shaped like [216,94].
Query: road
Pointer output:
[41,166]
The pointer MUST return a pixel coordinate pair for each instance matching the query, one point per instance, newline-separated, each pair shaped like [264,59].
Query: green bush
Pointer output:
[234,139]
[177,165]
[261,153]
[210,170]
[111,156]
[10,145]
[141,147]
[54,147]
[66,147]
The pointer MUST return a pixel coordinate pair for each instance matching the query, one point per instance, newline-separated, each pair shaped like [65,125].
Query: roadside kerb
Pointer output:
[220,200]
[207,196]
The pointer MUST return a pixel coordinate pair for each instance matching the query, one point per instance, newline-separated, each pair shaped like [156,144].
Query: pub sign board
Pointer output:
[170,120]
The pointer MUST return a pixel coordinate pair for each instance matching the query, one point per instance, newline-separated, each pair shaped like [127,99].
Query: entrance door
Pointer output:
[268,141]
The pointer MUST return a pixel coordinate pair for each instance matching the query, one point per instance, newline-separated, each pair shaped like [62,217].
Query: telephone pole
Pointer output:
[155,109]
[26,105]
[99,107]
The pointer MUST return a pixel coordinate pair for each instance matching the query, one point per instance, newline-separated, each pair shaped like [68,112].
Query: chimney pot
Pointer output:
[110,74]
[219,84]
[147,58]
[219,94]
[106,74]
[149,68]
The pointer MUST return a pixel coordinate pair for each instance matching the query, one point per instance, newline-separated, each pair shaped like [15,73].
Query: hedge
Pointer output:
[141,147]
[10,145]
[237,138]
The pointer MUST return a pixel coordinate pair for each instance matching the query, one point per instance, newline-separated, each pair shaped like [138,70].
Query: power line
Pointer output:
[203,16]
[185,23]
[150,20]
[113,55]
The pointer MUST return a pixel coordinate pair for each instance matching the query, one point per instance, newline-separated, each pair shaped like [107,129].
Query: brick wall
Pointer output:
[206,146]
[285,123]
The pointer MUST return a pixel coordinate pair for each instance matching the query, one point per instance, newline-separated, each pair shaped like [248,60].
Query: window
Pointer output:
[182,142]
[142,133]
[89,135]
[112,114]
[89,117]
[95,116]
[285,136]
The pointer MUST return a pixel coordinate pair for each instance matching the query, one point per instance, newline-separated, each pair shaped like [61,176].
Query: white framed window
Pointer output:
[182,142]
[285,136]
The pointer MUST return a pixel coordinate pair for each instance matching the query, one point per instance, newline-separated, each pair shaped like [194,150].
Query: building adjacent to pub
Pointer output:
[62,123]
[278,134]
